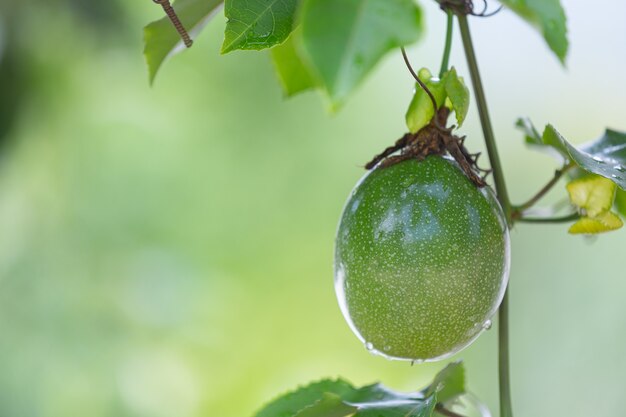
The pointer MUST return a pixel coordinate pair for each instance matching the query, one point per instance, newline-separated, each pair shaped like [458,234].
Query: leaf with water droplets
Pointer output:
[257,24]
[338,398]
[345,39]
[548,17]
[605,156]
[160,37]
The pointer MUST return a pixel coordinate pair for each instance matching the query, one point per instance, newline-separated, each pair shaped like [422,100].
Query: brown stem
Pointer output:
[420,82]
[171,13]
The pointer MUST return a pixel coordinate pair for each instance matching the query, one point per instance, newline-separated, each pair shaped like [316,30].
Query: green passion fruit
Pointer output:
[421,259]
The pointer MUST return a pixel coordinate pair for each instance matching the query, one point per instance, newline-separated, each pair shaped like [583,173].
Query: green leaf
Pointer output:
[449,383]
[379,401]
[421,109]
[449,91]
[458,94]
[345,39]
[290,404]
[548,17]
[605,156]
[330,405]
[161,39]
[594,196]
[338,398]
[257,24]
[293,73]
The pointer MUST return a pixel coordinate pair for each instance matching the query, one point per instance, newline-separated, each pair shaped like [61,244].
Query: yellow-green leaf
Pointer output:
[593,193]
[603,223]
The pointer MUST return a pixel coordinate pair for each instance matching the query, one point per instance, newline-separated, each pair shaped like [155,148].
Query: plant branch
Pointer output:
[485,120]
[562,219]
[445,62]
[506,409]
[558,174]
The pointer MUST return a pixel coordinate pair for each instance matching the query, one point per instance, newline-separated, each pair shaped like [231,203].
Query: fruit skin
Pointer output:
[421,259]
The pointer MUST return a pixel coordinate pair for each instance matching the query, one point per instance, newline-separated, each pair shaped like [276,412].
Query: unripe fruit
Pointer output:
[421,259]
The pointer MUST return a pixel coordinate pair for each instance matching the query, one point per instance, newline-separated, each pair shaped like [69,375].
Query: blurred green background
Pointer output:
[167,251]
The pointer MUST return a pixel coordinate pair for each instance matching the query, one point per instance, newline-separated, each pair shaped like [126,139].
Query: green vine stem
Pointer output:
[485,121]
[564,219]
[506,409]
[445,62]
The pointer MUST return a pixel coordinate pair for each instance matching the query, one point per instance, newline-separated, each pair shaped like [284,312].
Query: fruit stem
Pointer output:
[445,62]
[485,121]
[506,410]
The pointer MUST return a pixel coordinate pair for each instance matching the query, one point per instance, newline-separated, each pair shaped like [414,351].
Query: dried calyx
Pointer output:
[433,139]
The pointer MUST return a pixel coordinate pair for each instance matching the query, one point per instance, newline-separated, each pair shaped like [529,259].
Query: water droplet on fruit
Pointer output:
[369,346]
[487,325]
[598,159]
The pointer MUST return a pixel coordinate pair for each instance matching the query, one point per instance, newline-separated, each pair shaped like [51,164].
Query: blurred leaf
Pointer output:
[594,195]
[13,83]
[606,222]
[160,37]
[257,24]
[345,39]
[449,383]
[458,94]
[605,156]
[548,17]
[421,109]
[532,135]
[292,72]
